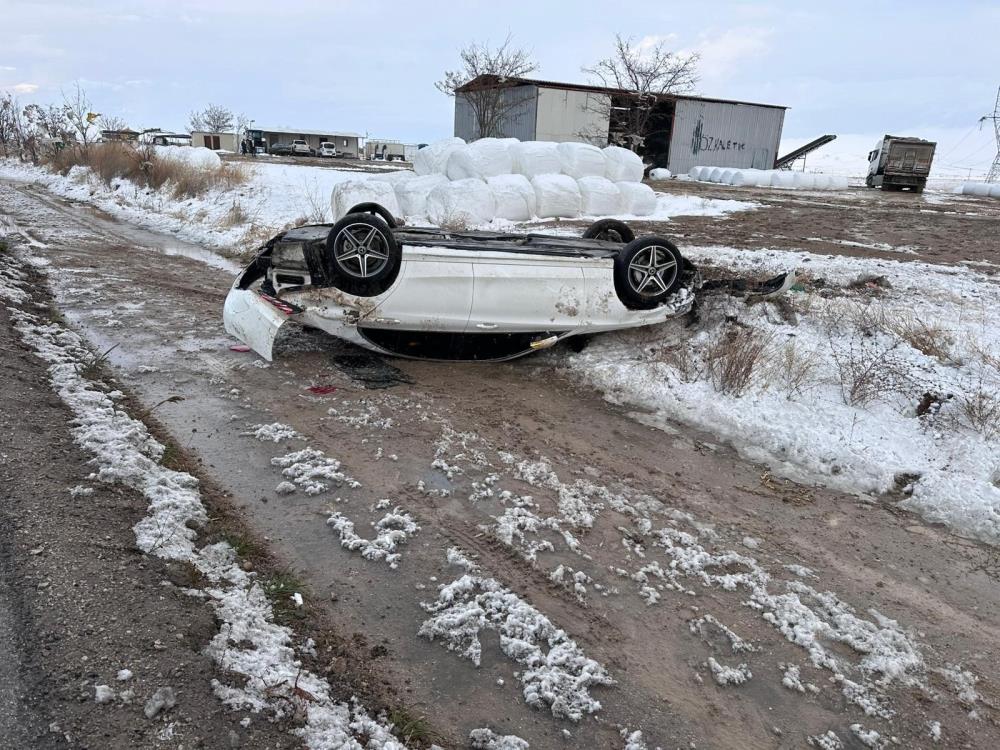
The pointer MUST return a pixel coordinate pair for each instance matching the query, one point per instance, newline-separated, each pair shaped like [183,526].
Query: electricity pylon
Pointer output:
[994,173]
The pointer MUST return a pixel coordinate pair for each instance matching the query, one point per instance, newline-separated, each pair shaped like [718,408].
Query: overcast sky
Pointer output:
[862,68]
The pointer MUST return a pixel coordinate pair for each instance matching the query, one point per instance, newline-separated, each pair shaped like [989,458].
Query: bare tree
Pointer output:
[642,74]
[9,129]
[491,97]
[213,119]
[112,123]
[82,119]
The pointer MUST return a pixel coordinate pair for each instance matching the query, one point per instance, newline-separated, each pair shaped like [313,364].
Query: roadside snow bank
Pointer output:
[866,388]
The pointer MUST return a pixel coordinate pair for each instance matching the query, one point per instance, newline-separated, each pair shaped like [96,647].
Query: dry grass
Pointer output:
[735,358]
[142,165]
[682,358]
[796,371]
[930,339]
[235,216]
[980,408]
[870,371]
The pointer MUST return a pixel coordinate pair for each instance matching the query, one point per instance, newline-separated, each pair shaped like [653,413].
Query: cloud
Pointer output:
[7,68]
[723,53]
[23,88]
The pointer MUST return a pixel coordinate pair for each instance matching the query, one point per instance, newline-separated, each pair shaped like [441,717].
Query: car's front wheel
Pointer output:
[610,230]
[647,271]
[362,256]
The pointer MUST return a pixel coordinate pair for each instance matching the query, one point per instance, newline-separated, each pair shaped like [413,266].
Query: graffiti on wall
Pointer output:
[702,142]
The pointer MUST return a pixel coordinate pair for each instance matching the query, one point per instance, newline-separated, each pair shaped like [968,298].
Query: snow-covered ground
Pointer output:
[275,197]
[866,388]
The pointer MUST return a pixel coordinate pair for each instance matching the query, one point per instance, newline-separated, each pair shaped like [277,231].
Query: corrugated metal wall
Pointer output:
[519,121]
[720,134]
[565,115]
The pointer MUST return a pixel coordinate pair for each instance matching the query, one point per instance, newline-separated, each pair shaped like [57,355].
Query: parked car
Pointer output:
[301,148]
[281,149]
[433,293]
[327,149]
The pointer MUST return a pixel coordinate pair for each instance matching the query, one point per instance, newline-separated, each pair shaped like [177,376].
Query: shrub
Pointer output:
[796,371]
[144,167]
[735,356]
[869,370]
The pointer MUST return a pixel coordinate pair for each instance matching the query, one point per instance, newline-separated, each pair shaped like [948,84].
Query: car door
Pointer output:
[432,293]
[522,292]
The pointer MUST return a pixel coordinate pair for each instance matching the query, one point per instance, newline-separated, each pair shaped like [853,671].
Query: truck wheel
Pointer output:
[611,230]
[362,257]
[378,210]
[647,271]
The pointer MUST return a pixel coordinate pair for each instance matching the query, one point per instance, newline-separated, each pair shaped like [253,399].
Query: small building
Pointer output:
[347,143]
[127,135]
[387,150]
[215,141]
[157,137]
[681,131]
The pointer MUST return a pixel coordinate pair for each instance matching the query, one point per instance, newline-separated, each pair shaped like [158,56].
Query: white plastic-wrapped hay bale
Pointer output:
[838,183]
[581,160]
[726,178]
[346,195]
[198,157]
[531,158]
[556,195]
[394,178]
[484,158]
[803,180]
[514,197]
[622,165]
[763,178]
[995,191]
[465,202]
[660,173]
[412,194]
[744,177]
[433,159]
[694,173]
[782,179]
[599,196]
[979,189]
[715,175]
[821,182]
[637,199]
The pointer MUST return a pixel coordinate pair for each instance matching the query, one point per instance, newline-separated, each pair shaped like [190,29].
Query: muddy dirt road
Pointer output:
[645,568]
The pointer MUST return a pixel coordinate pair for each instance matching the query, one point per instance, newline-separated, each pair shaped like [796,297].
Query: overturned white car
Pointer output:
[433,293]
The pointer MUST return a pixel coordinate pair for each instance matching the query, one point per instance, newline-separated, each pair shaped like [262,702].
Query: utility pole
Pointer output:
[994,173]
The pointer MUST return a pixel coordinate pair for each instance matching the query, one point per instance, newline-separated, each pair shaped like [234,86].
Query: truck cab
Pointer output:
[898,163]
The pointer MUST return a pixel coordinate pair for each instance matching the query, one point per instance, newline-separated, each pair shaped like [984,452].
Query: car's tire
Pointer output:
[362,257]
[647,271]
[611,230]
[378,210]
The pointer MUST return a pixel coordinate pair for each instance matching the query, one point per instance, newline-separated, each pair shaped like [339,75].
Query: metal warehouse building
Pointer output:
[681,131]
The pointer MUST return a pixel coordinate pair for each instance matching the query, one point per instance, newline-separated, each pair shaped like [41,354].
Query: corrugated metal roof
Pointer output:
[487,80]
[306,131]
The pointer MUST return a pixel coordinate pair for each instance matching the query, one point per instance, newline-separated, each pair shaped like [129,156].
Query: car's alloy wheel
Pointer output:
[362,256]
[647,271]
[360,251]
[652,271]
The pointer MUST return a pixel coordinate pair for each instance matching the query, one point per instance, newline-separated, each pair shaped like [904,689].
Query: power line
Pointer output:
[994,173]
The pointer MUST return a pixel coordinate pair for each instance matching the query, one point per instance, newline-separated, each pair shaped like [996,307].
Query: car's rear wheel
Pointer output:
[378,210]
[647,271]
[362,256]
[610,230]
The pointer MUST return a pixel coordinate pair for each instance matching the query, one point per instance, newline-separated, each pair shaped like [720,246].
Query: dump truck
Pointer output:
[897,163]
